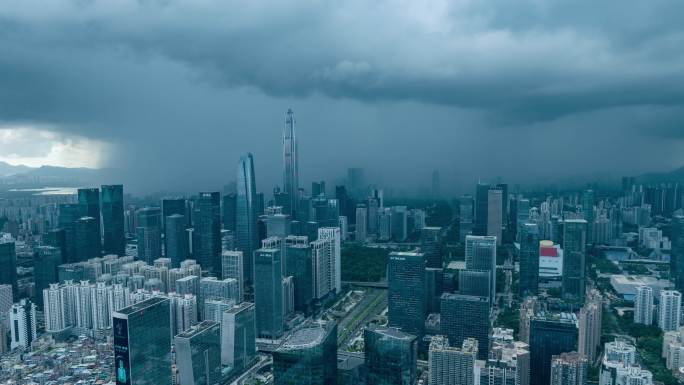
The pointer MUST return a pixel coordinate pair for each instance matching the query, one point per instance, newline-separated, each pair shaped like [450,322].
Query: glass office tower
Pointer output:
[207,225]
[574,259]
[464,316]
[238,336]
[8,261]
[529,259]
[176,239]
[268,293]
[142,343]
[308,356]
[89,200]
[390,356]
[550,334]
[114,240]
[148,233]
[246,218]
[198,354]
[45,262]
[406,292]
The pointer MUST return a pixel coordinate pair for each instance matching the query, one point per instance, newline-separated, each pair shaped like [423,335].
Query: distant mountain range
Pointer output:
[7,169]
[657,177]
[46,175]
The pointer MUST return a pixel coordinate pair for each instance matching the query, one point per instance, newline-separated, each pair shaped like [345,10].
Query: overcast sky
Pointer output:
[173,91]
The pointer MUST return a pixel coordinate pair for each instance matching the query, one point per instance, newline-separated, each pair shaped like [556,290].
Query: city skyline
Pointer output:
[341,193]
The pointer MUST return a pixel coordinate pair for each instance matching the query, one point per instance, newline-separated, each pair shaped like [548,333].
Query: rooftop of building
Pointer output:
[412,254]
[140,306]
[198,329]
[575,220]
[556,317]
[473,298]
[188,278]
[392,332]
[267,250]
[240,307]
[306,337]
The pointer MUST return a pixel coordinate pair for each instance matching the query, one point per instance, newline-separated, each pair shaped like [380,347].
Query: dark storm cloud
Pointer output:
[181,85]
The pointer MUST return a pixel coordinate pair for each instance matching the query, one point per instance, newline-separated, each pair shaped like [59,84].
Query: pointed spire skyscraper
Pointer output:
[290,162]
[246,216]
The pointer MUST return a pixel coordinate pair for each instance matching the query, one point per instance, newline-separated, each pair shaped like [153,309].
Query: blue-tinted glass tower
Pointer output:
[246,218]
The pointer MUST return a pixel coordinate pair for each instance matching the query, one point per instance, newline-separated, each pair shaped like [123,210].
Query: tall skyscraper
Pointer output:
[231,267]
[174,205]
[480,254]
[290,161]
[529,260]
[238,336]
[69,213]
[8,261]
[451,365]
[465,216]
[142,343]
[332,235]
[399,228]
[669,310]
[300,268]
[6,302]
[588,212]
[434,287]
[569,369]
[590,326]
[436,188]
[176,239]
[504,203]
[550,335]
[464,316]
[308,356]
[406,292]
[57,238]
[89,200]
[55,308]
[268,293]
[321,257]
[430,245]
[207,225]
[574,259]
[246,218]
[361,234]
[390,356]
[481,209]
[198,354]
[356,182]
[495,214]
[22,318]
[45,262]
[229,213]
[474,282]
[114,240]
[677,254]
[373,206]
[87,239]
[643,305]
[213,288]
[318,188]
[148,233]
